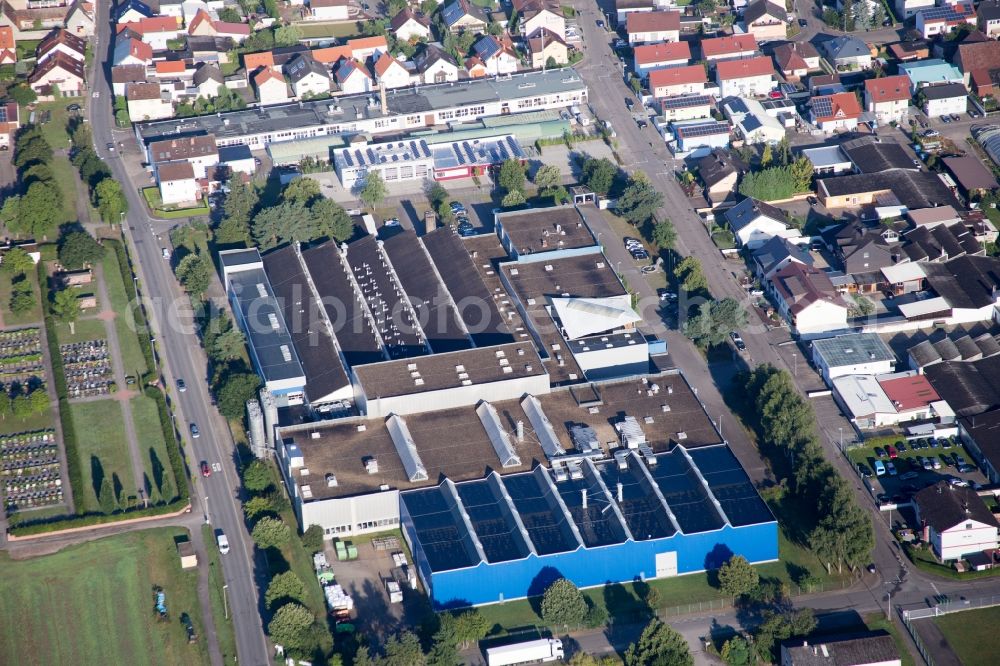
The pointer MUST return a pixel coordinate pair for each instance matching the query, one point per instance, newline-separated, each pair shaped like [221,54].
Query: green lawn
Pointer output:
[310,30]
[969,633]
[93,604]
[152,197]
[132,357]
[65,174]
[84,329]
[223,626]
[32,316]
[100,433]
[55,129]
[146,418]
[12,425]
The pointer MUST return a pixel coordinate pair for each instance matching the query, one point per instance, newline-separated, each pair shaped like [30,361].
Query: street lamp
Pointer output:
[795,365]
[225,604]
[841,429]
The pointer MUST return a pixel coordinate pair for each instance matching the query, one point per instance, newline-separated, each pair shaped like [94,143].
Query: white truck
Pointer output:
[545,649]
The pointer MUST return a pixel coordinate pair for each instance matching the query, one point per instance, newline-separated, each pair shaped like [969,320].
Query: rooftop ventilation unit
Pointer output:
[261,290]
[621,457]
[630,432]
[371,465]
[331,481]
[273,319]
[584,438]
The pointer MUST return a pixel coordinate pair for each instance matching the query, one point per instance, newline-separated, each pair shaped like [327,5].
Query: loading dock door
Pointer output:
[666,564]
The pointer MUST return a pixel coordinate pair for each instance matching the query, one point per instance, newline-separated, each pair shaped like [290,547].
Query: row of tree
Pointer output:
[233,382]
[856,15]
[778,182]
[37,207]
[105,192]
[842,532]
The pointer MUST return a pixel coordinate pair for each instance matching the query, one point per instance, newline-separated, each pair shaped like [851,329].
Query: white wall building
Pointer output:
[955,521]
[177,183]
[945,99]
[751,77]
[852,354]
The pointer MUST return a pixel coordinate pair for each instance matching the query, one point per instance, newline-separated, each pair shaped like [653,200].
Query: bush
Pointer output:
[174,454]
[563,604]
[28,528]
[141,326]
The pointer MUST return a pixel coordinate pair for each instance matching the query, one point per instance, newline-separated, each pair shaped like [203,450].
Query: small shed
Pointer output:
[582,195]
[86,301]
[76,278]
[185,550]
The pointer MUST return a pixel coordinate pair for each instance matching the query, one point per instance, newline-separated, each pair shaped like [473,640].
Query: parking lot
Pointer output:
[898,467]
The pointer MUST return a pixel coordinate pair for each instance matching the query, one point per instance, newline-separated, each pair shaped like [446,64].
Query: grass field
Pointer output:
[316,31]
[223,626]
[64,174]
[146,418]
[84,329]
[969,632]
[132,357]
[93,604]
[32,316]
[55,130]
[100,433]
[13,425]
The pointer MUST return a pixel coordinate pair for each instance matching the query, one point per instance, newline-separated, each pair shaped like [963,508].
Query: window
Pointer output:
[968,526]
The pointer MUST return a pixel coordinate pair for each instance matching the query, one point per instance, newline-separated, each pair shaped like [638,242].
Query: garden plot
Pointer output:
[87,366]
[30,471]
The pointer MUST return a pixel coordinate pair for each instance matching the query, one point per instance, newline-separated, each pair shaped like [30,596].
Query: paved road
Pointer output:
[182,357]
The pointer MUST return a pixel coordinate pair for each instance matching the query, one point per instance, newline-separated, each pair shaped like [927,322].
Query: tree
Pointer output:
[393,7]
[548,176]
[22,297]
[331,220]
[284,587]
[78,249]
[257,476]
[714,321]
[111,202]
[5,405]
[301,191]
[66,308]
[195,274]
[228,345]
[737,577]
[664,235]
[9,210]
[21,406]
[38,210]
[374,190]
[444,643]
[513,198]
[470,627]
[404,650]
[106,495]
[584,659]
[256,506]
[769,184]
[288,626]
[778,627]
[659,645]
[878,17]
[287,35]
[241,200]
[22,94]
[784,151]
[599,175]
[563,605]
[863,15]
[312,539]
[861,306]
[736,652]
[16,261]
[428,7]
[639,202]
[270,532]
[688,273]
[234,393]
[802,173]
[511,176]
[232,230]
[767,157]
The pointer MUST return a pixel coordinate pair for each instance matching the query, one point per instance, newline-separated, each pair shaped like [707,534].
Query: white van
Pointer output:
[223,542]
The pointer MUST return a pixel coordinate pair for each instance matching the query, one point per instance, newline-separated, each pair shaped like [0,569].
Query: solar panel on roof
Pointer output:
[685,494]
[822,107]
[690,131]
[546,524]
[685,102]
[440,533]
[730,485]
[492,522]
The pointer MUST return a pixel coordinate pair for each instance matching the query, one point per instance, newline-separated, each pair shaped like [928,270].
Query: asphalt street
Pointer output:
[181,356]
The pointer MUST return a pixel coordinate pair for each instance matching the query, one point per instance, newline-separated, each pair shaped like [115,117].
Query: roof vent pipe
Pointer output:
[583,492]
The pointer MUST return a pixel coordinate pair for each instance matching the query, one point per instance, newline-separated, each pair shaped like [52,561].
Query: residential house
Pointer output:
[917,49]
[132,52]
[674,81]
[497,54]
[61,41]
[870,650]
[835,113]
[352,79]
[907,8]
[944,99]
[80,19]
[462,15]
[755,222]
[777,253]
[846,52]
[9,122]
[852,354]
[719,174]
[828,160]
[147,101]
[745,78]
[122,75]
[390,73]
[649,27]
[271,86]
[888,98]
[363,48]
[329,10]
[765,20]
[808,301]
[432,65]
[208,80]
[685,107]
[8,46]
[863,252]
[728,48]
[697,138]
[894,192]
[203,25]
[752,121]
[623,8]
[201,152]
[988,17]
[927,72]
[475,68]
[307,77]
[238,159]
[172,70]
[796,59]
[177,183]
[547,48]
[58,73]
[825,84]
[536,15]
[980,64]
[408,24]
[955,521]
[649,57]
[942,20]
[155,31]
[133,11]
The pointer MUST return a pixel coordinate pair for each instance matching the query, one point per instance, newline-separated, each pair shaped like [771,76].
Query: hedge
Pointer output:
[173,445]
[84,520]
[73,472]
[141,325]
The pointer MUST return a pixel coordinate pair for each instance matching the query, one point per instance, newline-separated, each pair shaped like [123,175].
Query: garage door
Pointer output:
[666,564]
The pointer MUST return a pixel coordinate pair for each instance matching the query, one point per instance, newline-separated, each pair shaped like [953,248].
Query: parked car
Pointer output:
[803,23]
[901,446]
[812,202]
[642,124]
[738,341]
[223,541]
[391,222]
[936,462]
[926,462]
[955,117]
[947,443]
[880,452]
[600,24]
[879,468]
[864,471]
[934,444]
[932,132]
[891,450]
[891,468]
[181,386]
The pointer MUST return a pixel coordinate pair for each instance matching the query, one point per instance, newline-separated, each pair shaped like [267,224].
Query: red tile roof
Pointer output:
[842,105]
[665,52]
[384,63]
[740,69]
[263,59]
[673,76]
[734,44]
[652,21]
[266,75]
[908,393]
[170,67]
[153,24]
[6,37]
[888,88]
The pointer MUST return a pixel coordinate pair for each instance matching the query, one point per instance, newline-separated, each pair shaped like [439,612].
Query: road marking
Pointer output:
[934,587]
